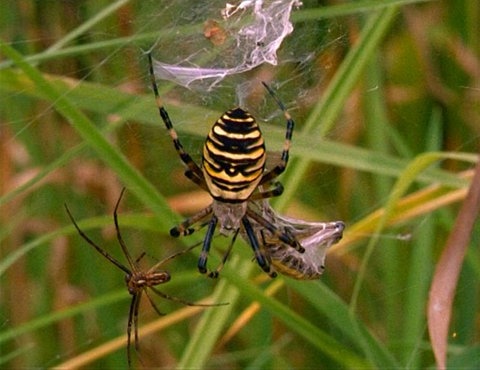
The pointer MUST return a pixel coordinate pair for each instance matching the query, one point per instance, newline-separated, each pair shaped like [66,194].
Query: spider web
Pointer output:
[236,38]
[214,46]
[216,53]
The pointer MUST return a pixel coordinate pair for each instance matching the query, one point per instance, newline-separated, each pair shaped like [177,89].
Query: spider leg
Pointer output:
[92,243]
[265,250]
[202,261]
[214,274]
[277,189]
[279,168]
[200,181]
[166,259]
[282,236]
[184,228]
[185,157]
[259,254]
[152,303]
[140,257]
[186,303]
[132,321]
[119,235]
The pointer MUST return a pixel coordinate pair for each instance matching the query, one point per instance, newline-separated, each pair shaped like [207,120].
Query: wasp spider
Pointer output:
[315,237]
[138,281]
[233,168]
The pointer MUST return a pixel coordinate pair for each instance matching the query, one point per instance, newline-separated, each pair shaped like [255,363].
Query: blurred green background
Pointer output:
[372,85]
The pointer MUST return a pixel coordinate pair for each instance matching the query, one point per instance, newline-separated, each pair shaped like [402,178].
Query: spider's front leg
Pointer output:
[194,171]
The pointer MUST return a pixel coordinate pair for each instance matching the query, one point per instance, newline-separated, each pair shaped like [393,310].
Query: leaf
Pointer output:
[446,275]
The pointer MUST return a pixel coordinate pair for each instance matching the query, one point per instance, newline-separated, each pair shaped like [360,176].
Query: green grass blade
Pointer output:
[325,113]
[129,175]
[304,328]
[105,100]
[348,8]
[419,164]
[54,317]
[338,313]
[101,15]
[209,329]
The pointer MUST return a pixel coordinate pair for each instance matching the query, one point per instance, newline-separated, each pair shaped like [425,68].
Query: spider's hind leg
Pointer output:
[214,274]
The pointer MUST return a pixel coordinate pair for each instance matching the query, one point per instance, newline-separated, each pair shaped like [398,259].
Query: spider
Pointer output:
[315,237]
[232,170]
[138,281]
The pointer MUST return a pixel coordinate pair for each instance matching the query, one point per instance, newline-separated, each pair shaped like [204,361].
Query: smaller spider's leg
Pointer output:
[138,297]
[135,322]
[274,192]
[186,303]
[202,260]
[287,238]
[131,322]
[119,235]
[214,274]
[92,243]
[185,157]
[171,257]
[279,168]
[184,228]
[259,254]
[140,257]
[152,303]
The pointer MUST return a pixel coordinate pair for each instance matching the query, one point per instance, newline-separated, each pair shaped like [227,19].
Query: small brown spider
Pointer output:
[138,281]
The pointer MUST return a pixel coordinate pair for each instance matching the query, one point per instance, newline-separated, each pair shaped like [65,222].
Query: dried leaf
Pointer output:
[442,291]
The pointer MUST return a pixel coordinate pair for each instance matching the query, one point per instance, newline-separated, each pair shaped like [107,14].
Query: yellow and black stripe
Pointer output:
[233,168]
[234,157]
[296,267]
